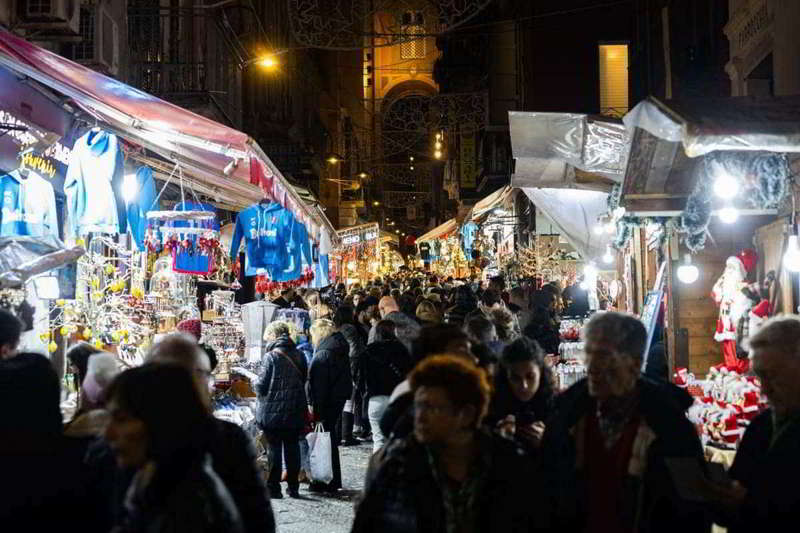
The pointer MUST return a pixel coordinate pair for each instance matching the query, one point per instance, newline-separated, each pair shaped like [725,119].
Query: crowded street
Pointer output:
[399,266]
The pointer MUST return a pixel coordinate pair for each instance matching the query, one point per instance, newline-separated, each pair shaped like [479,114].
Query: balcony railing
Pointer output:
[748,25]
[183,56]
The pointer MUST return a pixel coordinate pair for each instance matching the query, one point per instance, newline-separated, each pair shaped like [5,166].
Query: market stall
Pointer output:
[358,257]
[722,199]
[441,250]
[142,188]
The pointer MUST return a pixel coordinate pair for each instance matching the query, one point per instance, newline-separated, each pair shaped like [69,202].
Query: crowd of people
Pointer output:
[449,381]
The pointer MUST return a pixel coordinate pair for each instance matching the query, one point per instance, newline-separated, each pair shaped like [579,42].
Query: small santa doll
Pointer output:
[730,294]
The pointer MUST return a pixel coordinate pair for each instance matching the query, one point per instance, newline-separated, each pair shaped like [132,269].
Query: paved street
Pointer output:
[326,514]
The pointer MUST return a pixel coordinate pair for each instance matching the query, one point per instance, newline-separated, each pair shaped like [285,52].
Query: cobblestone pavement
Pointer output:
[317,513]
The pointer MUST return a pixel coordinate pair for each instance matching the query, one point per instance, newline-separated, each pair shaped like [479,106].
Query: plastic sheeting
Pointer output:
[492,201]
[709,124]
[21,258]
[549,146]
[575,213]
[440,231]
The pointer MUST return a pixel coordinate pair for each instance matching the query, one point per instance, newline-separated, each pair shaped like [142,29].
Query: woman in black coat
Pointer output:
[330,385]
[282,405]
[381,368]
[356,338]
[161,428]
[523,394]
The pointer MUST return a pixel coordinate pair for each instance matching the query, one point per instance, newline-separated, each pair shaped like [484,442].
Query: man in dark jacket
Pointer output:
[606,448]
[406,328]
[767,466]
[282,406]
[447,475]
[330,385]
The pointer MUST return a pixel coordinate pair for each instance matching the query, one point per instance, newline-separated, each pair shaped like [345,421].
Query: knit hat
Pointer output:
[192,326]
[103,367]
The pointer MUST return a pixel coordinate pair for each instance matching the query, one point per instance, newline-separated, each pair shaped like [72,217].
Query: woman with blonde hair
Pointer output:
[330,385]
[427,313]
[316,309]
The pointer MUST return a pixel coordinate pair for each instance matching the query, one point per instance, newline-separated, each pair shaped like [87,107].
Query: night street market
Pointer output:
[398,266]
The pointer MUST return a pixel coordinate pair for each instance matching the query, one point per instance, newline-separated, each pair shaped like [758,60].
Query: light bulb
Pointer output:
[726,186]
[129,188]
[791,259]
[438,145]
[583,286]
[608,258]
[599,229]
[590,271]
[687,272]
[437,154]
[728,215]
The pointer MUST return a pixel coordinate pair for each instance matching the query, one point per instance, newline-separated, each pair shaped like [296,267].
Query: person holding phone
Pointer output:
[523,395]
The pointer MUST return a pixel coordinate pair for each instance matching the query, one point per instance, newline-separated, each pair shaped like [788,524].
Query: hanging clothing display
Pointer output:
[93,186]
[436,250]
[190,257]
[142,202]
[298,318]
[425,251]
[322,266]
[266,229]
[299,253]
[468,234]
[28,205]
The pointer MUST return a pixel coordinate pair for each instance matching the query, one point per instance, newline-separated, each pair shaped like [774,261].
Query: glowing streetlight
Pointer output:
[333,159]
[362,175]
[267,62]
[376,203]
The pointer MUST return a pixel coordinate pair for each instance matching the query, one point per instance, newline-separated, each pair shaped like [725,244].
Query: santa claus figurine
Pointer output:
[729,293]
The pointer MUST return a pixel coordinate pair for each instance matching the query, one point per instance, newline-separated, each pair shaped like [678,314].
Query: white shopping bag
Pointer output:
[319,455]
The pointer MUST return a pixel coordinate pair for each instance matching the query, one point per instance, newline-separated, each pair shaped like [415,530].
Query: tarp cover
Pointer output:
[549,146]
[440,231]
[150,110]
[709,124]
[492,201]
[575,213]
[203,144]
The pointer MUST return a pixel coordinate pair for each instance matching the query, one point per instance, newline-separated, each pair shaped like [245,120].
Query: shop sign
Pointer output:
[370,235]
[351,239]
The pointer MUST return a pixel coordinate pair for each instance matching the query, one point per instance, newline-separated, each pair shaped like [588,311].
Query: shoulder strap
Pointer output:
[288,358]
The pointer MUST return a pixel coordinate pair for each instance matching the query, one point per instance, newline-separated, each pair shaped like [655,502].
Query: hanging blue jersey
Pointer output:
[468,233]
[266,230]
[299,253]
